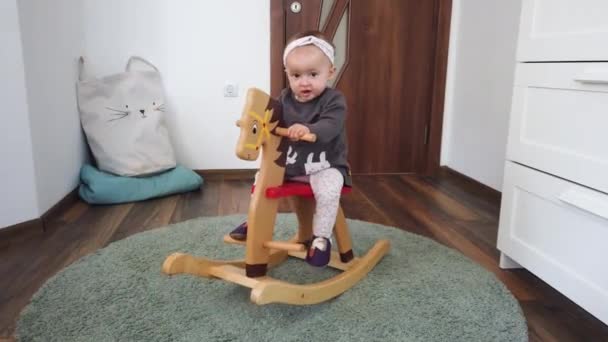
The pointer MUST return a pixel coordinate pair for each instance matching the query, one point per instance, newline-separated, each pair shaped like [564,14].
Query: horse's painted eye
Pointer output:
[154,103]
[255,129]
[127,106]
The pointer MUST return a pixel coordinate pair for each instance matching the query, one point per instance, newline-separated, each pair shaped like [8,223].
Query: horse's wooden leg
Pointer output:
[345,244]
[260,227]
[304,209]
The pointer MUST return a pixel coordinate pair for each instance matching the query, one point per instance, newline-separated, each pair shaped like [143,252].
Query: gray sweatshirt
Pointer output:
[324,116]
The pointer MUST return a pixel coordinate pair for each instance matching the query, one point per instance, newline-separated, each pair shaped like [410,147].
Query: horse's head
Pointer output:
[260,116]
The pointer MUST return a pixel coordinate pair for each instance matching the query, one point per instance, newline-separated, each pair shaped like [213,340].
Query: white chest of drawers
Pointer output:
[554,211]
[563,30]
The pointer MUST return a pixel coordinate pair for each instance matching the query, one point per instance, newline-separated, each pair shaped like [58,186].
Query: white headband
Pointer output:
[327,49]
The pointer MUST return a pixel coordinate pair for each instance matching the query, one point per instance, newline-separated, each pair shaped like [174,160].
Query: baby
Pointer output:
[310,106]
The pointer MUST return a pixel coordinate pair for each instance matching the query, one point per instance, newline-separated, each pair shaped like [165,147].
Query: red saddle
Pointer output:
[295,189]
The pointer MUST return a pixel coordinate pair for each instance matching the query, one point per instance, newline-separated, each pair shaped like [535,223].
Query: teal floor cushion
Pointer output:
[98,187]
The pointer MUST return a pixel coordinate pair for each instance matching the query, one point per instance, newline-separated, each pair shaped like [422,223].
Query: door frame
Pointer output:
[442,39]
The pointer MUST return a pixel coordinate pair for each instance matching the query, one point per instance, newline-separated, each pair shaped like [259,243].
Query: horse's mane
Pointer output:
[277,115]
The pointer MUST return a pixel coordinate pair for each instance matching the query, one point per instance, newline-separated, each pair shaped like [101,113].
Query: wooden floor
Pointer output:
[448,208]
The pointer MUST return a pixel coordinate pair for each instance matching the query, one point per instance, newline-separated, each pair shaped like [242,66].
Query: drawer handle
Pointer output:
[595,204]
[593,77]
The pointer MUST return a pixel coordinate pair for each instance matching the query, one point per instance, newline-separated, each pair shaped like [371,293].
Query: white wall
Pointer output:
[481,66]
[18,195]
[214,42]
[52,37]
[198,46]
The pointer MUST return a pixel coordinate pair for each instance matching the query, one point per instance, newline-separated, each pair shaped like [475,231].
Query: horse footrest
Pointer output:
[285,246]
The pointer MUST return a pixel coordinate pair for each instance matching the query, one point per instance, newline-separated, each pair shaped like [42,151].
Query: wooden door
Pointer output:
[390,61]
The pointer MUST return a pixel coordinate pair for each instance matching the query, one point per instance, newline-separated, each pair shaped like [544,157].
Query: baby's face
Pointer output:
[308,70]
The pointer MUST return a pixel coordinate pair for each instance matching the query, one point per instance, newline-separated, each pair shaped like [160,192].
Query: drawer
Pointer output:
[563,30]
[559,120]
[557,230]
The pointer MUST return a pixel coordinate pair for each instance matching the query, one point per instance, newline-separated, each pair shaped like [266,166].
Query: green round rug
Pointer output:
[420,291]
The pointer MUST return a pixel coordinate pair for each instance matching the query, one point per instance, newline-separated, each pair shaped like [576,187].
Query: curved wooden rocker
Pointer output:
[261,130]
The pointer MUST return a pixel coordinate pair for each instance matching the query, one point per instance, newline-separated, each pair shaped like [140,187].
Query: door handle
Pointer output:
[593,77]
[593,203]
[295,7]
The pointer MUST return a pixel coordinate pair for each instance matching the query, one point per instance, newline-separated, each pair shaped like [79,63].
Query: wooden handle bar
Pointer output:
[310,137]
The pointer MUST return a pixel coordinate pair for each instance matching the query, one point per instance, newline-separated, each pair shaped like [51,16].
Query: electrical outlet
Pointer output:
[231,89]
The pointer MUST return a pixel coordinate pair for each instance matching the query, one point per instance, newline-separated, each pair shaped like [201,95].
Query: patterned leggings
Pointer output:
[326,186]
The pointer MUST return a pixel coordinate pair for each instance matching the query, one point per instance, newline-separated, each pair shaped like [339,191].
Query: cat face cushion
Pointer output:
[123,117]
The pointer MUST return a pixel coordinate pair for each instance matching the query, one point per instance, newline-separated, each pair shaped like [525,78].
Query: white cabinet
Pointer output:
[559,120]
[554,210]
[557,230]
[563,30]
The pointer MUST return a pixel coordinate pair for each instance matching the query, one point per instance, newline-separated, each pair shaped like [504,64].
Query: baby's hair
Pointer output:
[314,33]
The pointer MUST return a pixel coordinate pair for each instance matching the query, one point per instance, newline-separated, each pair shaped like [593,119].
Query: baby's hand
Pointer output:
[296,131]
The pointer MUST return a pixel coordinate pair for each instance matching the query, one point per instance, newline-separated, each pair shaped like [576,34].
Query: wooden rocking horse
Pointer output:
[261,131]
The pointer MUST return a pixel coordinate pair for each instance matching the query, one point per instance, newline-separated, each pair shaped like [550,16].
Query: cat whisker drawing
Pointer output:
[121,113]
[119,110]
[122,116]
[160,107]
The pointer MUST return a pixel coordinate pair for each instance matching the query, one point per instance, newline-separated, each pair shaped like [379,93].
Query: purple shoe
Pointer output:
[319,252]
[239,233]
